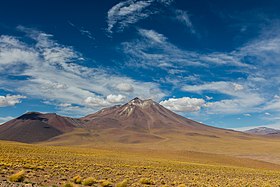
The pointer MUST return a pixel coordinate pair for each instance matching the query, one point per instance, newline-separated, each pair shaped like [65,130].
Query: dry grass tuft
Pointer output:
[146,181]
[77,179]
[124,183]
[69,185]
[89,181]
[18,177]
[181,185]
[105,183]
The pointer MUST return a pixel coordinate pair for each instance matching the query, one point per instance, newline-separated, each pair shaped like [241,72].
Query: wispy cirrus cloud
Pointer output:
[256,62]
[82,30]
[183,17]
[229,88]
[153,50]
[10,100]
[54,72]
[241,98]
[129,12]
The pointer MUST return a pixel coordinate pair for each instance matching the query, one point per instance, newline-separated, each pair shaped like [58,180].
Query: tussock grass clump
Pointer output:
[77,179]
[105,183]
[69,185]
[122,184]
[181,185]
[18,177]
[146,181]
[89,181]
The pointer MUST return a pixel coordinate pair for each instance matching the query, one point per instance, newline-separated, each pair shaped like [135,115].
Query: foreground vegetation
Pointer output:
[68,166]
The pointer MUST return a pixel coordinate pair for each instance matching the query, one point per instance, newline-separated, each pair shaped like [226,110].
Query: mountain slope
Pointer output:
[36,127]
[142,116]
[138,121]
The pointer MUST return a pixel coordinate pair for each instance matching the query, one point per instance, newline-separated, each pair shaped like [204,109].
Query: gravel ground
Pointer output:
[9,184]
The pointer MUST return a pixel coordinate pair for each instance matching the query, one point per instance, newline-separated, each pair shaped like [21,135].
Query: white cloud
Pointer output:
[152,35]
[124,87]
[237,105]
[247,115]
[115,98]
[10,100]
[56,73]
[83,31]
[96,102]
[184,104]
[242,99]
[107,101]
[274,104]
[273,126]
[229,88]
[127,12]
[223,59]
[5,119]
[153,50]
[208,97]
[184,18]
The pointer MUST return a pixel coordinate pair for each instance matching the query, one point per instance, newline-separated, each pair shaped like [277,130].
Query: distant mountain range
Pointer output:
[137,121]
[263,131]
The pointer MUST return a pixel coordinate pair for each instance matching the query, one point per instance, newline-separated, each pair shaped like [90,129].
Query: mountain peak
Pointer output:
[31,116]
[136,98]
[141,103]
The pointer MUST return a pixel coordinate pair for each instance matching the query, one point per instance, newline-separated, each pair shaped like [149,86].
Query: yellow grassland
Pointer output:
[60,165]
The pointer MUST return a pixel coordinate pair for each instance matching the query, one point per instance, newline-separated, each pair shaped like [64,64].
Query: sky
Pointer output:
[214,61]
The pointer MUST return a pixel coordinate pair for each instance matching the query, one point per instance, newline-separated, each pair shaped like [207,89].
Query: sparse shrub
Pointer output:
[89,181]
[122,184]
[105,183]
[69,185]
[181,185]
[77,179]
[18,177]
[146,181]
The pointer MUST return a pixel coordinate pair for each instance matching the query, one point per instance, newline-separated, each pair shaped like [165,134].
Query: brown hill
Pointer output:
[36,127]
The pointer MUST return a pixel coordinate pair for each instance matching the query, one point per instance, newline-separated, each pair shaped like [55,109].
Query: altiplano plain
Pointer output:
[115,144]
[140,93]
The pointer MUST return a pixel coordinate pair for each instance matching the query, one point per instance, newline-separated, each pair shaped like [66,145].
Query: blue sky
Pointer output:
[216,62]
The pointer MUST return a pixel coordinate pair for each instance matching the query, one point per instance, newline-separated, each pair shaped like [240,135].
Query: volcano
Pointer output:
[138,121]
[142,116]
